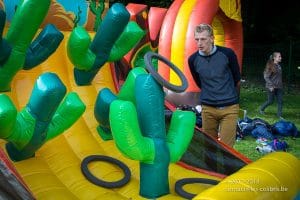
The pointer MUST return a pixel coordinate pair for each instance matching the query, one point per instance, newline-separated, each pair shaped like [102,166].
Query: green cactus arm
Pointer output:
[25,23]
[68,112]
[45,44]
[78,49]
[127,134]
[132,35]
[23,130]
[22,30]
[127,89]
[180,133]
[8,116]
[16,128]
[14,63]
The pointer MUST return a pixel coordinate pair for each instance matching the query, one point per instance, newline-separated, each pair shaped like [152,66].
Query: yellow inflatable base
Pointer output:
[275,176]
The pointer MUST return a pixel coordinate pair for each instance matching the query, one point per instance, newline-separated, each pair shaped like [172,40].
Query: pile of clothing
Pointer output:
[269,137]
[270,146]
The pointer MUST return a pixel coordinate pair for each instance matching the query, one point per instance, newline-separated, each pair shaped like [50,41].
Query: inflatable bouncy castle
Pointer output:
[88,105]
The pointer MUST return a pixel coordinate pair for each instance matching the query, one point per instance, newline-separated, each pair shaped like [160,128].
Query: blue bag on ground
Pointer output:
[284,128]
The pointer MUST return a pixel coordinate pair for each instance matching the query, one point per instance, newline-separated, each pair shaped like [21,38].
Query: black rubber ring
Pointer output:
[176,88]
[180,183]
[90,177]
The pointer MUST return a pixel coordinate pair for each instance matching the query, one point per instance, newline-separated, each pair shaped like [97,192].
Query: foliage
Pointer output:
[258,16]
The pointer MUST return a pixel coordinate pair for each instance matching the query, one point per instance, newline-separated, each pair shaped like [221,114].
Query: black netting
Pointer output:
[207,153]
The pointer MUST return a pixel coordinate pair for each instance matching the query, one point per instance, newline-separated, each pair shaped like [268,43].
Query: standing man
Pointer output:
[216,71]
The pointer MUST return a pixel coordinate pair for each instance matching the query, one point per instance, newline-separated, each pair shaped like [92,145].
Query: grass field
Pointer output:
[251,97]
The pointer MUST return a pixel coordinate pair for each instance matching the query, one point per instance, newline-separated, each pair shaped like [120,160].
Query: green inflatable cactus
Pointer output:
[137,124]
[139,132]
[17,49]
[46,115]
[114,38]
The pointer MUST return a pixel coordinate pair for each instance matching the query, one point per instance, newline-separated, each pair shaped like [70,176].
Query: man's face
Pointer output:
[204,42]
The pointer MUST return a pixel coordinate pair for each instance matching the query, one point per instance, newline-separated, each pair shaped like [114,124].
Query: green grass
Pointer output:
[252,95]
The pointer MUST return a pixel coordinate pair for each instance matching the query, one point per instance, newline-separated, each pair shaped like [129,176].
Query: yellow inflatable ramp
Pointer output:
[275,176]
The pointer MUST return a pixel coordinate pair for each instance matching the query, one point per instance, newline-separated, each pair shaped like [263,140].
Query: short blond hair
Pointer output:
[204,27]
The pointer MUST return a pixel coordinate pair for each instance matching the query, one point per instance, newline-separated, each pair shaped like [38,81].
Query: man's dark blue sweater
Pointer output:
[217,75]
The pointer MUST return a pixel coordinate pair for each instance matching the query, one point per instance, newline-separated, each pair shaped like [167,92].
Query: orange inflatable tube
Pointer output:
[177,34]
